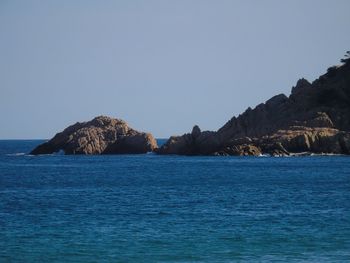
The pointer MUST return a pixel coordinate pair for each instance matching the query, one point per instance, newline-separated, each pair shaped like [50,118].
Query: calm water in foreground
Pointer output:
[149,208]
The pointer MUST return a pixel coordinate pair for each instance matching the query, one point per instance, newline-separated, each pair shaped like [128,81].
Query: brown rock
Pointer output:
[312,140]
[314,118]
[245,150]
[102,135]
[274,148]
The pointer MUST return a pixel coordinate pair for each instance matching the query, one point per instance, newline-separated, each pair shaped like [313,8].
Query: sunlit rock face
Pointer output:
[102,135]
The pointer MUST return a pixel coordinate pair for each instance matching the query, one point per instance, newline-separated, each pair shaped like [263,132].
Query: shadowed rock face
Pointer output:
[314,118]
[102,135]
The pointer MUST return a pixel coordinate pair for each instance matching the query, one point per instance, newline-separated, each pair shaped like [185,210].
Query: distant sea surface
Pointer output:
[150,208]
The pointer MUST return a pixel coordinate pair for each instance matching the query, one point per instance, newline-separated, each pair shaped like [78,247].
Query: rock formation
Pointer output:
[315,118]
[102,135]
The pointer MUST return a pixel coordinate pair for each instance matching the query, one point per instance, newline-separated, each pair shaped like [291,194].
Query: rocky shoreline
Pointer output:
[315,118]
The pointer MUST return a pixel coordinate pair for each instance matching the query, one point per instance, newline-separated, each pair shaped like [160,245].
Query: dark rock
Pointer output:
[196,131]
[277,100]
[301,86]
[102,135]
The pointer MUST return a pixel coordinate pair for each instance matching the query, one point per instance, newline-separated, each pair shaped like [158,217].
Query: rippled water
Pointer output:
[149,208]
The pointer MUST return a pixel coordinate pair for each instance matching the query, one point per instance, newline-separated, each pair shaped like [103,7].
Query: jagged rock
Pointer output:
[314,118]
[239,141]
[276,101]
[303,139]
[196,131]
[203,143]
[239,150]
[301,86]
[245,150]
[320,119]
[102,135]
[177,145]
[273,148]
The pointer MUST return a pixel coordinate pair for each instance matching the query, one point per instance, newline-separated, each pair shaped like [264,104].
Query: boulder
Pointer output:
[102,135]
[311,140]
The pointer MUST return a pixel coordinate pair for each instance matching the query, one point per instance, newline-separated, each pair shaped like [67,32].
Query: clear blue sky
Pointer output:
[162,66]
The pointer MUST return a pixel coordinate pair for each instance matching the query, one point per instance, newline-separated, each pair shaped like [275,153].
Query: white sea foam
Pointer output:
[264,155]
[16,154]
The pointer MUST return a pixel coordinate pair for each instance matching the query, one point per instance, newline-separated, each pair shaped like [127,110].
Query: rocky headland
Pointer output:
[102,135]
[315,118]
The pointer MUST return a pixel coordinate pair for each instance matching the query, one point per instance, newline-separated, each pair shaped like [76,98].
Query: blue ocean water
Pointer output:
[149,208]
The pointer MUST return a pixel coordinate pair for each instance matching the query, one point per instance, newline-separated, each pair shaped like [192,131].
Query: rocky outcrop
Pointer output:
[303,139]
[102,135]
[315,118]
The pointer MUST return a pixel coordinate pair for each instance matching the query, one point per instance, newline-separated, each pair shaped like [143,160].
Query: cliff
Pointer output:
[315,118]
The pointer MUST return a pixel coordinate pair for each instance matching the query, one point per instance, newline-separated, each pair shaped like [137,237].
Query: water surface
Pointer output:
[149,208]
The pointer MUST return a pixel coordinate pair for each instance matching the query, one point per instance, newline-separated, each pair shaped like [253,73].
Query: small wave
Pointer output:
[326,154]
[16,154]
[264,155]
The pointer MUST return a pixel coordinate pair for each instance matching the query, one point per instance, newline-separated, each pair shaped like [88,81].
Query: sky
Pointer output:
[162,66]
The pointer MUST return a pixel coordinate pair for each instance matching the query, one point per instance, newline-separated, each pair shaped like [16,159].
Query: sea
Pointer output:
[151,208]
